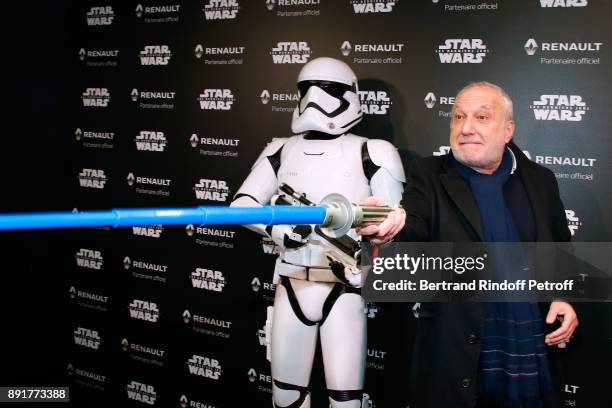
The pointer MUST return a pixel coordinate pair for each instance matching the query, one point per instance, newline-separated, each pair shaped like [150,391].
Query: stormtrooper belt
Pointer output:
[309,273]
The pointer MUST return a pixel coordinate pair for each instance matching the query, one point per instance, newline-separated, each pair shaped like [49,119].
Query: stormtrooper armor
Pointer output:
[312,299]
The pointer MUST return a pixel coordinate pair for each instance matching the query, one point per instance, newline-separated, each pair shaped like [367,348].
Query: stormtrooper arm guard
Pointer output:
[258,189]
[383,167]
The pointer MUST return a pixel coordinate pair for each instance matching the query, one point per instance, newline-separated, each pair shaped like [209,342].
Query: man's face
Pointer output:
[480,129]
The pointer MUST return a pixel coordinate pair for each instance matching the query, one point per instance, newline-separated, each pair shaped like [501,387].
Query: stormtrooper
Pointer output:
[314,296]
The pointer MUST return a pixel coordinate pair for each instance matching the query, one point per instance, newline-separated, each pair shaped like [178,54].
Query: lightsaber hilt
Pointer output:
[342,215]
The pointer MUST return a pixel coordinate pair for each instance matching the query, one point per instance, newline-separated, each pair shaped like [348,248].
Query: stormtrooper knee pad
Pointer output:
[345,399]
[289,396]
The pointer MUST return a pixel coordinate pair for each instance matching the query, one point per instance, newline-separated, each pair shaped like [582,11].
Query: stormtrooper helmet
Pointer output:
[329,98]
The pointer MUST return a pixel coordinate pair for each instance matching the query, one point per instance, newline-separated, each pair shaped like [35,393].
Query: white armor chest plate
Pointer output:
[321,167]
[318,168]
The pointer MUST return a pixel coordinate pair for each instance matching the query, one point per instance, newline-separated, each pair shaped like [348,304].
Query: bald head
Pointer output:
[506,101]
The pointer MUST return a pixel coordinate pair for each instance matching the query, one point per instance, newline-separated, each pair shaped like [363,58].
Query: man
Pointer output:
[484,190]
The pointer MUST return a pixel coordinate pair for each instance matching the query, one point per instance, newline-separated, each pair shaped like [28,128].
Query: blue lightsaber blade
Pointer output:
[336,215]
[204,215]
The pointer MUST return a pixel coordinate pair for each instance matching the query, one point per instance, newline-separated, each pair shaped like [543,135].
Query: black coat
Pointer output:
[440,207]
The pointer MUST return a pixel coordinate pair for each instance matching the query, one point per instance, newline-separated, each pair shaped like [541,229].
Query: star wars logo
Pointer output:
[92,178]
[100,16]
[442,150]
[221,9]
[291,52]
[96,97]
[462,51]
[374,102]
[573,222]
[87,338]
[216,99]
[152,231]
[150,141]
[140,392]
[186,402]
[563,3]
[144,310]
[431,100]
[155,55]
[204,366]
[373,6]
[211,190]
[89,258]
[208,279]
[559,107]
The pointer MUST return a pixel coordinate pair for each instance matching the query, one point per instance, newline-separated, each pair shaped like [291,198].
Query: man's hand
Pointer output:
[388,229]
[569,319]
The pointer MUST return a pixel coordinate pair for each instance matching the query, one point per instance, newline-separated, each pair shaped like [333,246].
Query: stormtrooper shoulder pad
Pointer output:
[272,148]
[384,154]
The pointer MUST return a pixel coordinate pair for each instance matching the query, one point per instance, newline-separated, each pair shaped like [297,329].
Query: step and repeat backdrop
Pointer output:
[170,104]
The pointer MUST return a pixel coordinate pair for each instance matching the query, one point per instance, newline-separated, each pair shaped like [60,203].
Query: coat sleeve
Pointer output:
[561,232]
[418,204]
